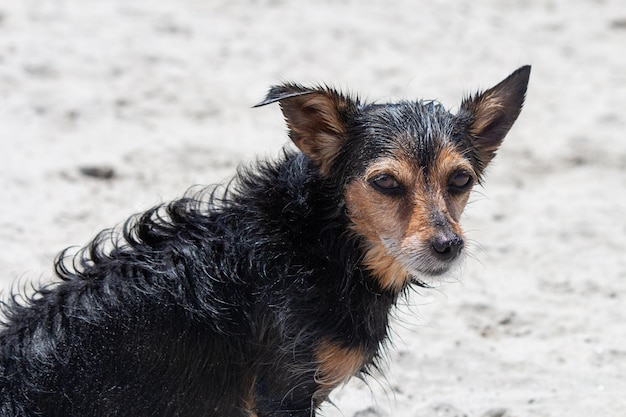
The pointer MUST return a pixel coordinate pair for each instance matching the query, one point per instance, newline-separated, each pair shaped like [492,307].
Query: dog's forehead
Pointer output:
[418,129]
[412,117]
[413,132]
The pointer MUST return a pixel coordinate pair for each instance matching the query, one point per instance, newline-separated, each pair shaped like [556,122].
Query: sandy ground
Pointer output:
[158,94]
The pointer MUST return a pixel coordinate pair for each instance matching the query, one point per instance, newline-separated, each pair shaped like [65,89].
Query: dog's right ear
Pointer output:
[317,119]
[492,113]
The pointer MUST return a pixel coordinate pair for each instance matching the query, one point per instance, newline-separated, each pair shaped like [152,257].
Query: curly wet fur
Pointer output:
[186,308]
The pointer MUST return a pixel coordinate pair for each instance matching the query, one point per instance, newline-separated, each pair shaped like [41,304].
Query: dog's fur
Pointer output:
[261,299]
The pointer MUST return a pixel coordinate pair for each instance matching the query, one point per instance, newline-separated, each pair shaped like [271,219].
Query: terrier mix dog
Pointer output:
[261,299]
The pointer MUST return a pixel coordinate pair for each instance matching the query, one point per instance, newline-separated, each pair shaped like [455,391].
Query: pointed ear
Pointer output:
[491,114]
[317,119]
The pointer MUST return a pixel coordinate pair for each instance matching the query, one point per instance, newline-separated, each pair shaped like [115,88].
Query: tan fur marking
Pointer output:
[319,132]
[374,215]
[391,274]
[336,365]
[326,148]
[448,161]
[402,170]
[488,109]
[327,109]
[398,230]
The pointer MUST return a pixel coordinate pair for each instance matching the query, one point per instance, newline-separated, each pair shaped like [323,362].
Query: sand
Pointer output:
[152,97]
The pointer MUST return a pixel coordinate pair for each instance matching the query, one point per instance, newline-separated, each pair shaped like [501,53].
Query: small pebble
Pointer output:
[100,172]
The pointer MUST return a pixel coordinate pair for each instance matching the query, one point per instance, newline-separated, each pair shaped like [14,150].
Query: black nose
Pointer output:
[446,247]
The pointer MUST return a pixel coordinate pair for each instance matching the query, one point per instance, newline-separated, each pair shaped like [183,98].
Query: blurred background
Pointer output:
[108,107]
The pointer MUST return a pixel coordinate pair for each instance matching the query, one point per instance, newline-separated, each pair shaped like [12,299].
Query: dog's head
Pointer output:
[407,168]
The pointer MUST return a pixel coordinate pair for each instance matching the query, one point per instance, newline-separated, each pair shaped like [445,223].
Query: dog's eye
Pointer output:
[460,180]
[386,184]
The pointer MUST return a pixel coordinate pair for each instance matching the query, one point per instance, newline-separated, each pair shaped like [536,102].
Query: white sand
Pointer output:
[161,92]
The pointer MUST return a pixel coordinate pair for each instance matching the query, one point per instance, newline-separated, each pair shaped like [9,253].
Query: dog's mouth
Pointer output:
[421,260]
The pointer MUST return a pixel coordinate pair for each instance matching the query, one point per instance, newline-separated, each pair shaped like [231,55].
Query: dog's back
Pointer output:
[260,300]
[164,320]
[188,308]
[133,331]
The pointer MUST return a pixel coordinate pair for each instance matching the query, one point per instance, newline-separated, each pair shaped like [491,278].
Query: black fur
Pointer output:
[219,299]
[195,298]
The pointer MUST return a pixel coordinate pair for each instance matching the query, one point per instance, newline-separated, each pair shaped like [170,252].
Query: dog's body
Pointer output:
[259,302]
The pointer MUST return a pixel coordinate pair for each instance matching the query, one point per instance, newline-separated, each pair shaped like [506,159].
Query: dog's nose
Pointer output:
[446,247]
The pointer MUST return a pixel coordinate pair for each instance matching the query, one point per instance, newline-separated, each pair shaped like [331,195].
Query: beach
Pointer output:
[110,107]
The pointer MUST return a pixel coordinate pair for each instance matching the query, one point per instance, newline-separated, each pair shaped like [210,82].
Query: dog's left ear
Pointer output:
[317,119]
[491,114]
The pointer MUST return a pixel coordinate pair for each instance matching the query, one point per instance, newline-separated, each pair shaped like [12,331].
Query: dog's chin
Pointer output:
[434,272]
[431,271]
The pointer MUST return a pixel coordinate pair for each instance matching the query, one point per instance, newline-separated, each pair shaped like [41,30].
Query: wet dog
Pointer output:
[260,299]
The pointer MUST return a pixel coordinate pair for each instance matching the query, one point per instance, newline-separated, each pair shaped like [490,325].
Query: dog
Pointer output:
[259,298]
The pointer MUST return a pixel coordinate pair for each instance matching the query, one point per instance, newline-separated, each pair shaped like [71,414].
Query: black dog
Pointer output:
[259,300]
